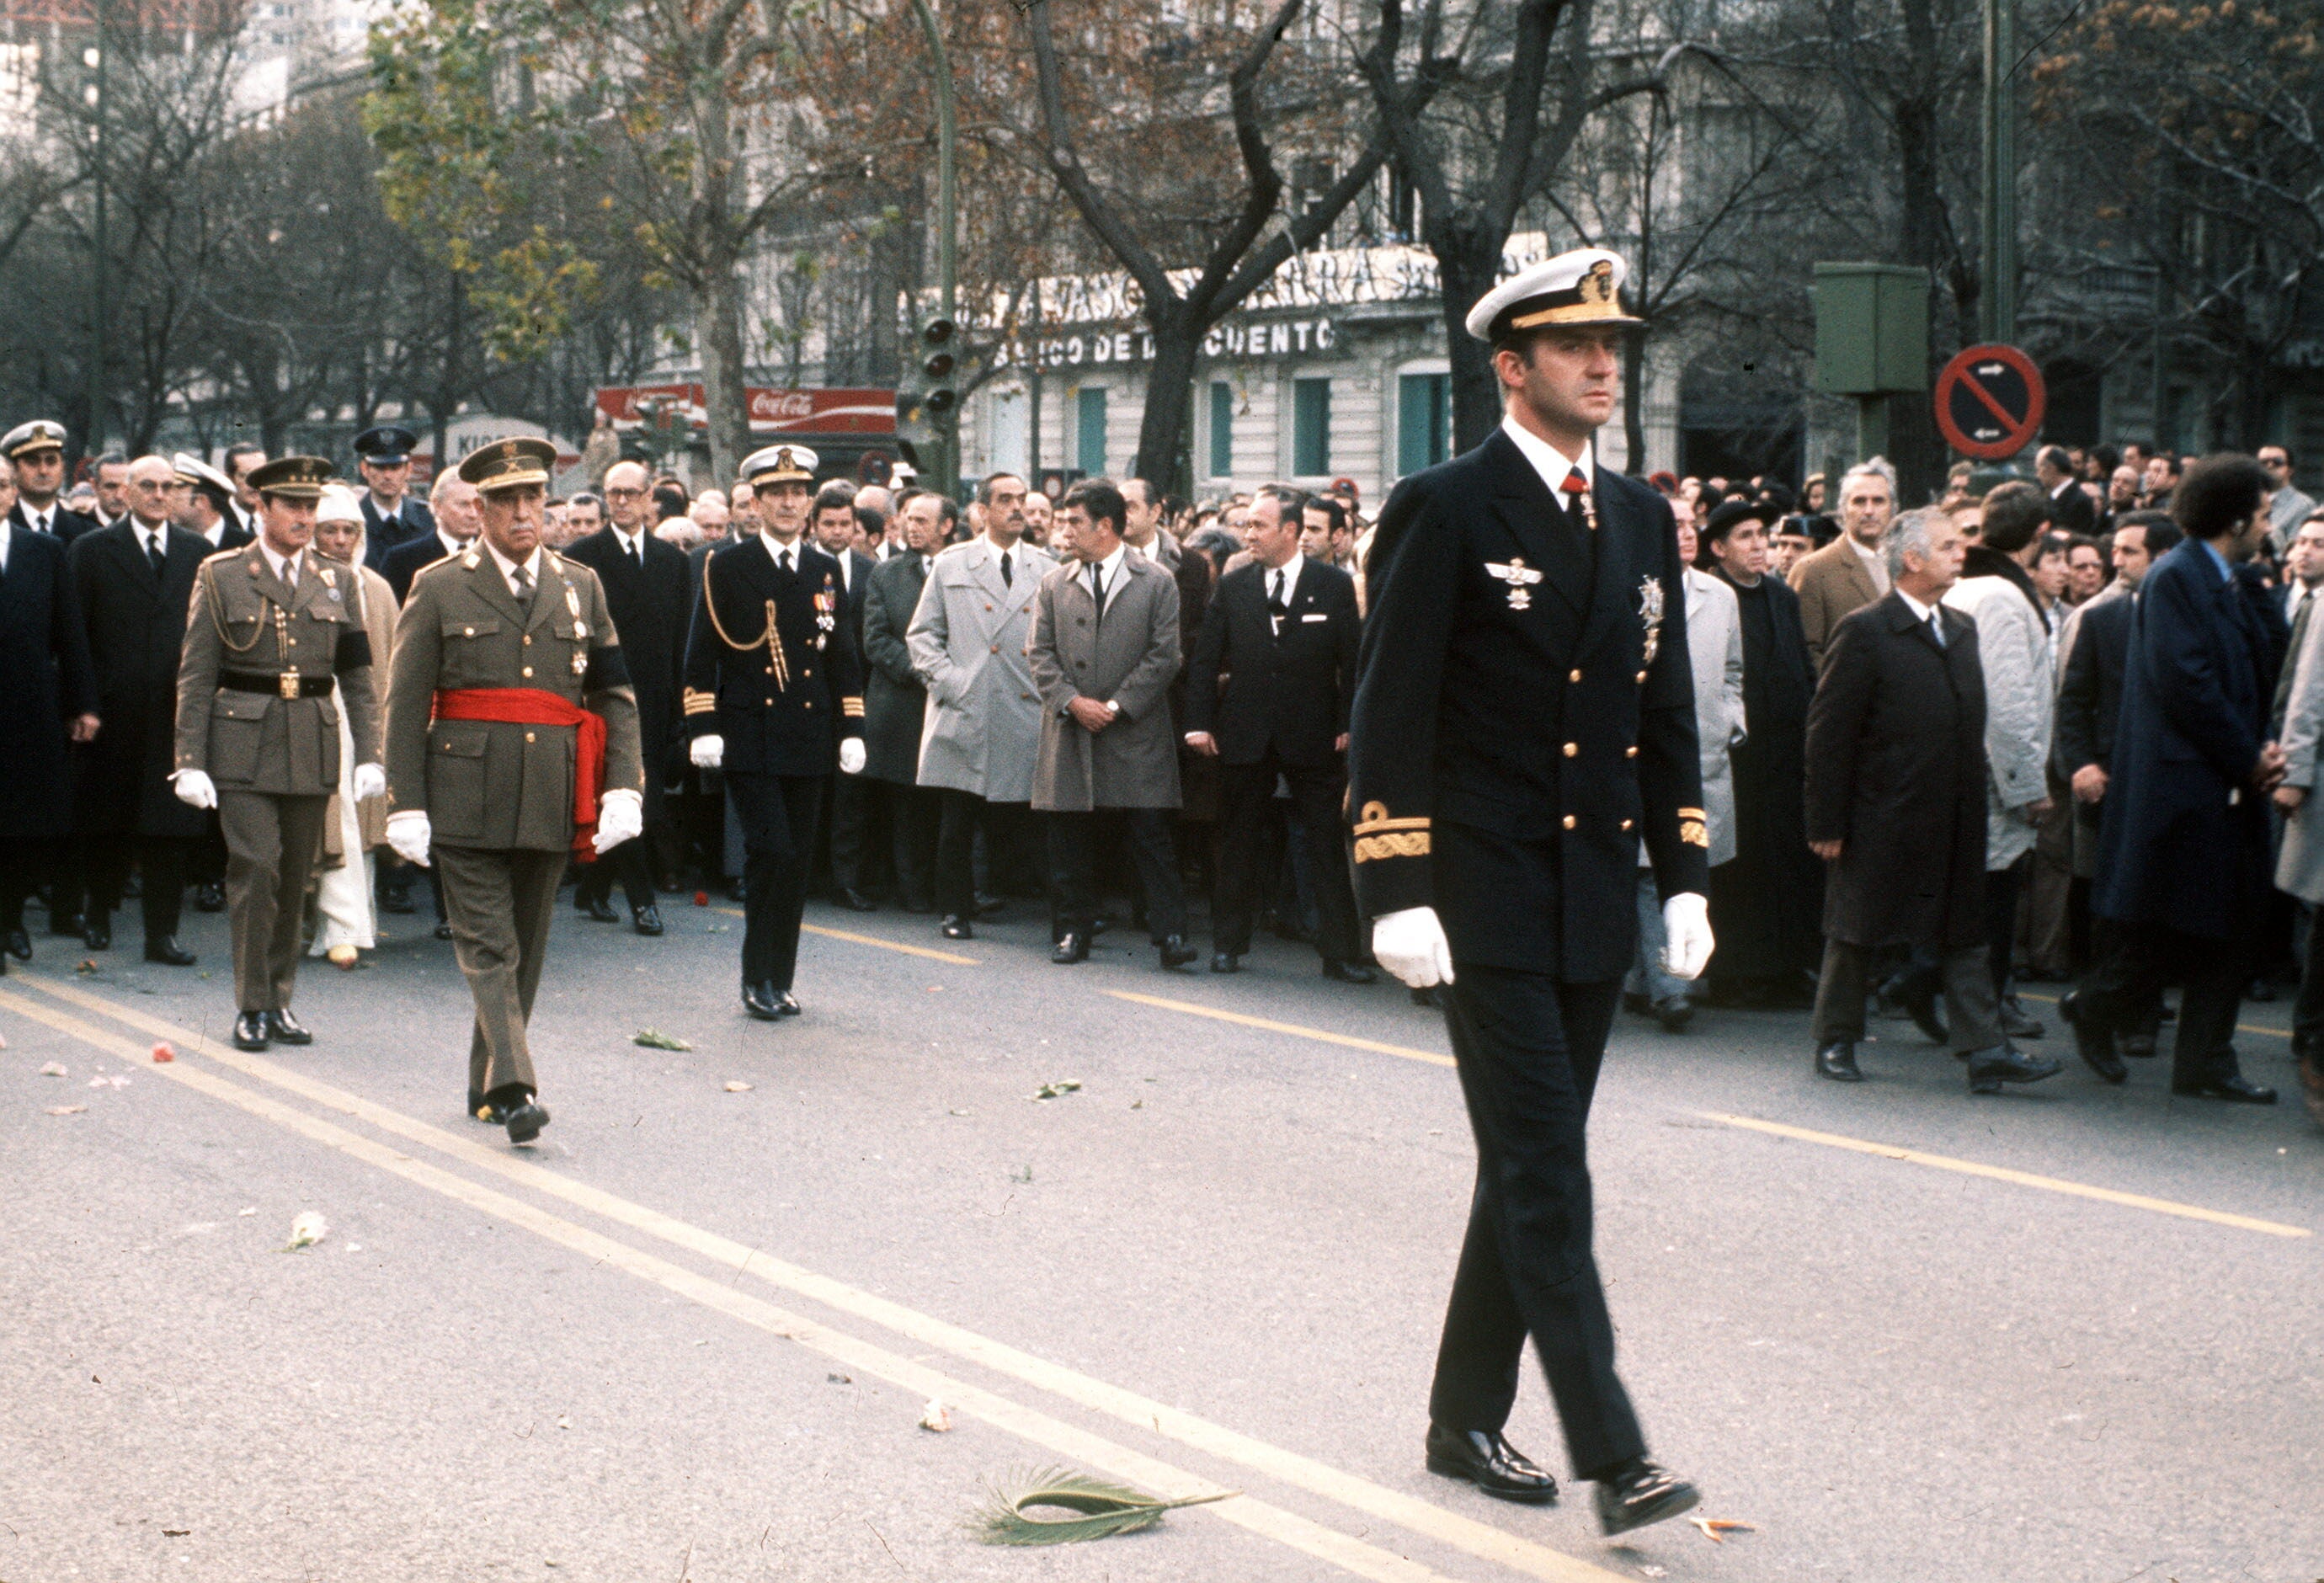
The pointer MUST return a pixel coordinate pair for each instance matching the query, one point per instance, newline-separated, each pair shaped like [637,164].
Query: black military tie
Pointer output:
[638,551]
[1097,587]
[1008,578]
[154,553]
[1276,609]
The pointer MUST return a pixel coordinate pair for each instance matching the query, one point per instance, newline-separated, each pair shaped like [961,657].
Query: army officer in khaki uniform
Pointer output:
[511,743]
[274,651]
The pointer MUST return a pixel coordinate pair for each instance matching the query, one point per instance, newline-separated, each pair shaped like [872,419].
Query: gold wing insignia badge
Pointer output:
[1520,577]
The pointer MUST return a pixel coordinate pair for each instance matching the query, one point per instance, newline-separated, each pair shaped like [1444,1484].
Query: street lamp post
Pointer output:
[95,58]
[1998,299]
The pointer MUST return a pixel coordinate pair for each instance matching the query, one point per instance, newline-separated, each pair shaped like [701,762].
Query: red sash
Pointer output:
[531,706]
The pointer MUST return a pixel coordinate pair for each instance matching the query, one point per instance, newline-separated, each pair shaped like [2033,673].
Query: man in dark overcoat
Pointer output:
[895,703]
[848,825]
[1895,805]
[2183,855]
[48,696]
[135,580]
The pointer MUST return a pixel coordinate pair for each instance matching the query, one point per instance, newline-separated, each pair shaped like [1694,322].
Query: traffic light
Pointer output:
[928,402]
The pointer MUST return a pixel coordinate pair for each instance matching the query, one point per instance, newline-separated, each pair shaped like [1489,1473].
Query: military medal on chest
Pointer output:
[1520,577]
[1650,616]
[826,611]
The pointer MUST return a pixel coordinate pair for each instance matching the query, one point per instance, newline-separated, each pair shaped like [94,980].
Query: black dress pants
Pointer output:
[913,816]
[778,814]
[2134,962]
[961,814]
[1072,870]
[632,863]
[1528,1049]
[1245,792]
[2003,887]
[161,862]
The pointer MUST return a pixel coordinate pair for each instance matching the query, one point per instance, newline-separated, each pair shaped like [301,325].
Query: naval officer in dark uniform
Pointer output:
[773,678]
[1524,718]
[391,515]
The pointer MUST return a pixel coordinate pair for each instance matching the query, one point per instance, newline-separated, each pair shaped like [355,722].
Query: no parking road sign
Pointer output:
[1990,403]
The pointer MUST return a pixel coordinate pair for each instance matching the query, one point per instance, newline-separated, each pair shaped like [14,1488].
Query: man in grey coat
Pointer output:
[1104,652]
[983,730]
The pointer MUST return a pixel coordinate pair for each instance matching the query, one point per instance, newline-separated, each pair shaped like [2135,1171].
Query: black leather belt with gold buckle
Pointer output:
[287,684]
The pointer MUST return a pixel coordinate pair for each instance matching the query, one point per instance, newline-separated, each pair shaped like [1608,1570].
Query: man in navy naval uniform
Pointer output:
[391,515]
[1524,718]
[773,679]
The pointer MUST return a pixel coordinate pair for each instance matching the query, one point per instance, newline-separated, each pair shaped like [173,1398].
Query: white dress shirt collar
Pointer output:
[634,545]
[284,568]
[41,521]
[530,563]
[1289,572]
[1110,567]
[796,549]
[1551,463]
[1919,611]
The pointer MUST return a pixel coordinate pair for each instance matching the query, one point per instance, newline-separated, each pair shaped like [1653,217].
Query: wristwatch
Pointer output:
[1113,708]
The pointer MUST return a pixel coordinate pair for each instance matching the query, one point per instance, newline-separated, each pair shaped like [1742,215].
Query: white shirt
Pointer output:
[1111,570]
[150,540]
[1289,572]
[284,568]
[779,549]
[6,528]
[633,543]
[216,532]
[388,514]
[1551,463]
[1874,562]
[1013,557]
[508,568]
[41,521]
[1919,611]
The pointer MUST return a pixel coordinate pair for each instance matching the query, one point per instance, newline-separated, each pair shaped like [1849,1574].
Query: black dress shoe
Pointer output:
[989,905]
[20,945]
[1919,1004]
[209,896]
[855,901]
[646,920]
[1348,972]
[2005,1063]
[99,935]
[1225,962]
[1432,997]
[759,1000]
[1494,1466]
[482,1109]
[525,1119]
[1674,1013]
[598,909]
[956,928]
[2016,1021]
[1070,949]
[2093,1041]
[2234,1087]
[785,1004]
[286,1029]
[396,898]
[1837,1061]
[168,951]
[249,1031]
[1640,1493]
[444,930]
[1176,953]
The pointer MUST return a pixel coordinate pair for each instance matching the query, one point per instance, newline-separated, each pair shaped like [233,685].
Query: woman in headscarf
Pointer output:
[351,830]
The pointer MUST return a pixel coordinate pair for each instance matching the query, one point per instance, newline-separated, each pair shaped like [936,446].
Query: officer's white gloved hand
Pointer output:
[408,833]
[195,787]
[1411,945]
[621,816]
[1686,931]
[707,751]
[371,781]
[850,756]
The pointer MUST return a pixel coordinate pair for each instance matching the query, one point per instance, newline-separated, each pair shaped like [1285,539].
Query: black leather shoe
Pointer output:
[209,896]
[646,920]
[956,928]
[1674,1013]
[395,898]
[1225,962]
[2238,1089]
[525,1120]
[759,1000]
[597,910]
[786,1003]
[1348,972]
[2016,1021]
[855,901]
[168,951]
[1069,949]
[1837,1061]
[2094,1042]
[989,906]
[1494,1466]
[1176,953]
[20,945]
[249,1031]
[1640,1493]
[444,930]
[99,935]
[1919,1004]
[286,1029]
[1432,996]
[2004,1063]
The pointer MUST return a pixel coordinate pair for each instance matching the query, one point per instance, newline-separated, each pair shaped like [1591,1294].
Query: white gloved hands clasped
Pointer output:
[371,781]
[408,833]
[1686,934]
[1411,945]
[621,816]
[195,788]
[707,752]
[850,756]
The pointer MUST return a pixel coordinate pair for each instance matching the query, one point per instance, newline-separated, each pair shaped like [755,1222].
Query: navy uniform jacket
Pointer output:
[2182,844]
[65,525]
[1524,715]
[770,663]
[46,679]
[412,520]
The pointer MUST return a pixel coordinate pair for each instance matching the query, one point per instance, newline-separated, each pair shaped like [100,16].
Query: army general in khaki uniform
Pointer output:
[511,743]
[274,651]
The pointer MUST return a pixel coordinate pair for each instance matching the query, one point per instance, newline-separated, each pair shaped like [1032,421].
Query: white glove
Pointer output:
[408,833]
[195,787]
[850,756]
[371,781]
[1686,931]
[621,816]
[707,751]
[1411,945]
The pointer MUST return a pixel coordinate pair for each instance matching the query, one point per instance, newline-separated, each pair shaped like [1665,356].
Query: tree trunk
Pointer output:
[1634,403]
[1468,265]
[718,331]
[1169,400]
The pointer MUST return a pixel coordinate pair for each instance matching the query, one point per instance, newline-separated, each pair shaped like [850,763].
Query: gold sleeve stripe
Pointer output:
[1686,813]
[1693,832]
[1374,820]
[852,708]
[1403,844]
[700,702]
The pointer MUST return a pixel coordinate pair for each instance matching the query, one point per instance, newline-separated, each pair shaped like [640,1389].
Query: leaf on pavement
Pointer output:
[935,1417]
[1716,1529]
[67,1109]
[54,1069]
[104,1081]
[1064,1085]
[1100,1509]
[655,1039]
[737,1086]
[88,965]
[306,1228]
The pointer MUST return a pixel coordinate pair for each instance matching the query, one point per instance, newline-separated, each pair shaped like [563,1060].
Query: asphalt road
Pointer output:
[2072,1333]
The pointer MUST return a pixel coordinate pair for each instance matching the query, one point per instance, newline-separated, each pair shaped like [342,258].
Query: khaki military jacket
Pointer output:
[492,783]
[264,672]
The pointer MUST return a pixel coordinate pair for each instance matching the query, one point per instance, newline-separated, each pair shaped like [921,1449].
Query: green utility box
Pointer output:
[1871,329]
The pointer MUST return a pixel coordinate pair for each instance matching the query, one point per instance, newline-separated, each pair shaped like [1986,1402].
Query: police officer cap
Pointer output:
[509,464]
[1583,287]
[193,470]
[780,465]
[294,478]
[1731,515]
[386,445]
[42,434]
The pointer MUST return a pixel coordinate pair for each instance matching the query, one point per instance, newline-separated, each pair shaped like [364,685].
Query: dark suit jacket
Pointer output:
[648,606]
[136,627]
[233,535]
[406,561]
[66,526]
[2089,695]
[1896,771]
[2072,512]
[895,703]
[2183,840]
[411,520]
[45,680]
[1514,734]
[1253,687]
